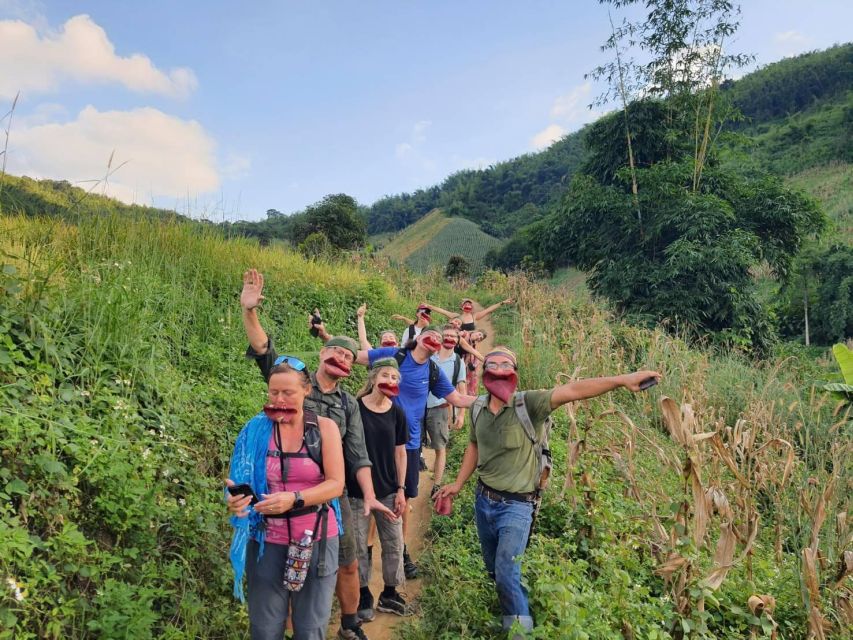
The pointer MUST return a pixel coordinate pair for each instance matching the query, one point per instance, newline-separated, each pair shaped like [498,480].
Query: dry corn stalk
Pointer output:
[763,605]
[818,624]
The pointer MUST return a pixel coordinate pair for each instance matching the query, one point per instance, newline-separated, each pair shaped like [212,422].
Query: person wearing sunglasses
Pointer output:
[286,466]
[329,399]
[508,464]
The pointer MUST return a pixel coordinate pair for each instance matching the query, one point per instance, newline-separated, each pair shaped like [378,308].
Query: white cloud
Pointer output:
[547,136]
[419,131]
[80,51]
[791,43]
[236,166]
[165,156]
[572,106]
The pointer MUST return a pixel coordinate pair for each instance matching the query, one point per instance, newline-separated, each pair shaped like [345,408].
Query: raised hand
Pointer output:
[253,286]
[361,310]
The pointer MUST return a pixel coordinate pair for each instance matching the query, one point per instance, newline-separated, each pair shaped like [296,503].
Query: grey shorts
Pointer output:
[348,547]
[438,427]
[269,600]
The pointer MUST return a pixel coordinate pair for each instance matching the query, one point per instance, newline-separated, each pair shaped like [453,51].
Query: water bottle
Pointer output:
[298,561]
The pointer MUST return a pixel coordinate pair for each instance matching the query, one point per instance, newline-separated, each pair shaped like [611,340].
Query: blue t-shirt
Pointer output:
[414,388]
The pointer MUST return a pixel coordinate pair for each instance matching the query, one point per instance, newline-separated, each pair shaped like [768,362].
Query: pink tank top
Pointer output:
[302,473]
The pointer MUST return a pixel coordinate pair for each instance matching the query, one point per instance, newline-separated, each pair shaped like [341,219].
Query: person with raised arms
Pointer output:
[286,466]
[329,399]
[386,434]
[505,446]
[467,314]
[423,315]
[420,376]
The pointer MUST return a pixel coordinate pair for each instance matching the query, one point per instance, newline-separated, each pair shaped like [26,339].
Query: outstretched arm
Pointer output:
[400,318]
[482,314]
[469,464]
[250,298]
[363,342]
[592,387]
[444,312]
[466,347]
[460,400]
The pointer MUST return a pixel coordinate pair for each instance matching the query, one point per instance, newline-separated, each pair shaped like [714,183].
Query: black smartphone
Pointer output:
[243,490]
[648,382]
[315,320]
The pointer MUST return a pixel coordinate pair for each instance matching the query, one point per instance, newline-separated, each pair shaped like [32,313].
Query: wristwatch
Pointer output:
[298,500]
[401,487]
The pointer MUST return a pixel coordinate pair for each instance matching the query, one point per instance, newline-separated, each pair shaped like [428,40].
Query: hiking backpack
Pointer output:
[411,332]
[433,367]
[541,449]
[312,438]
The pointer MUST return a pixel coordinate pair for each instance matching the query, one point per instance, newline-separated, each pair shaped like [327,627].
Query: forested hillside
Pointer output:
[799,112]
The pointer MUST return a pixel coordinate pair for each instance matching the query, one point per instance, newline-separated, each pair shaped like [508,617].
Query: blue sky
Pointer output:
[228,109]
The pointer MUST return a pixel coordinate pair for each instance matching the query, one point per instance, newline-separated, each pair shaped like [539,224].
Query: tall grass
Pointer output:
[123,385]
[620,550]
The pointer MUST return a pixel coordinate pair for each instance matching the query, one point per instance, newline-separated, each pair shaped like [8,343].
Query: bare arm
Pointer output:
[444,312]
[461,388]
[250,297]
[469,464]
[397,316]
[362,330]
[466,346]
[361,357]
[482,314]
[400,463]
[459,400]
[592,387]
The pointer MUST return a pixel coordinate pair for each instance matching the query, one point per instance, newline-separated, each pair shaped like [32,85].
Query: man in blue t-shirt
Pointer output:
[415,387]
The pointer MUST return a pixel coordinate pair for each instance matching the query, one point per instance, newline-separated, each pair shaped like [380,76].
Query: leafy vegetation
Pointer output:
[123,386]
[619,549]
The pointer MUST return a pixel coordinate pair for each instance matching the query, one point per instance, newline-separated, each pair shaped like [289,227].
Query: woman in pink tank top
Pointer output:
[294,483]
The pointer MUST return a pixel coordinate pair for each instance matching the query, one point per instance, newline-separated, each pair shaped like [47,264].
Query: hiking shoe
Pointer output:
[352,634]
[365,606]
[423,464]
[410,569]
[393,604]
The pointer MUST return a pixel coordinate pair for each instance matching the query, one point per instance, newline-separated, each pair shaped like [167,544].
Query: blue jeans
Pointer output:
[503,527]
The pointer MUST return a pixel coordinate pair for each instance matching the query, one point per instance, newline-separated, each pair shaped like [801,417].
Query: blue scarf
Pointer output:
[249,465]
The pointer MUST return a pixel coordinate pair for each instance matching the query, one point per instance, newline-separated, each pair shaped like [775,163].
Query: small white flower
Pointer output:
[176,481]
[145,453]
[166,473]
[15,588]
[86,394]
[182,502]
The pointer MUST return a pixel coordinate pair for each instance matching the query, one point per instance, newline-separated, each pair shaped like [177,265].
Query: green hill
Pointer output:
[434,238]
[799,113]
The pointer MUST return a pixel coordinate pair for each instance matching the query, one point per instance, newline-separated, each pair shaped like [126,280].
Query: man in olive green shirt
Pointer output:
[500,448]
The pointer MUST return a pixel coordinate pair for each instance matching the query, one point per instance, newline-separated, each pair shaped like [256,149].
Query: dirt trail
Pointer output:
[382,628]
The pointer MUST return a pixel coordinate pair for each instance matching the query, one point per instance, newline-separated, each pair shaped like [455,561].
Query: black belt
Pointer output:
[494,494]
[294,513]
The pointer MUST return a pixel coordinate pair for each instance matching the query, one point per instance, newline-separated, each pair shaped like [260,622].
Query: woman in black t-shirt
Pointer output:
[385,433]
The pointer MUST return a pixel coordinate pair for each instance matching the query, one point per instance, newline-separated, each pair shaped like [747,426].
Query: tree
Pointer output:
[689,262]
[316,246]
[457,267]
[336,217]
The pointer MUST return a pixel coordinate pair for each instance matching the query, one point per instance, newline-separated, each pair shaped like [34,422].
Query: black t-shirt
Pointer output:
[382,433]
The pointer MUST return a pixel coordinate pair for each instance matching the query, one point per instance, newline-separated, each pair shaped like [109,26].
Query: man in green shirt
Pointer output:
[509,468]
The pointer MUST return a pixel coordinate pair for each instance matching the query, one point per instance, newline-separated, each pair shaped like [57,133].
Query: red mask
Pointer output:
[500,384]
[448,344]
[388,389]
[467,307]
[431,343]
[336,367]
[388,343]
[279,413]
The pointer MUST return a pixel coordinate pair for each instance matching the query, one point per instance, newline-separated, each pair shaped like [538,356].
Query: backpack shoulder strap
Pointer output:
[411,333]
[457,364]
[344,396]
[477,408]
[312,437]
[524,417]
[433,374]
[400,355]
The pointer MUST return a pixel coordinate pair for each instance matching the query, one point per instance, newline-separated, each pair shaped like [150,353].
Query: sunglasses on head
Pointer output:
[294,363]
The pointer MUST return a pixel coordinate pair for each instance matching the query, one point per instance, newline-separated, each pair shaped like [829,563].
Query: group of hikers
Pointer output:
[314,473]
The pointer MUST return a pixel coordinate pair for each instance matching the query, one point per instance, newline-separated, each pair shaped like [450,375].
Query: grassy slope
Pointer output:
[434,238]
[122,387]
[832,185]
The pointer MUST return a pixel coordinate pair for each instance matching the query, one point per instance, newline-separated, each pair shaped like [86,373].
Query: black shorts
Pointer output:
[413,472]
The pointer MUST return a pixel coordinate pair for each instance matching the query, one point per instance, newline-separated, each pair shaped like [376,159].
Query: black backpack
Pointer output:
[411,332]
[312,438]
[434,371]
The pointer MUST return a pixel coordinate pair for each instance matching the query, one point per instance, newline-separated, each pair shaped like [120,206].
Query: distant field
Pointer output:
[832,185]
[434,238]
